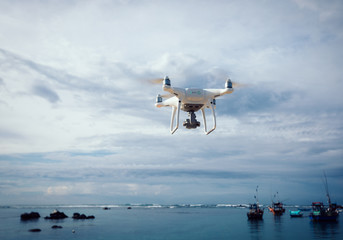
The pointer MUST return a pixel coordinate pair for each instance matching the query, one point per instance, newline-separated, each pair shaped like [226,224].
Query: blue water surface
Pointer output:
[161,222]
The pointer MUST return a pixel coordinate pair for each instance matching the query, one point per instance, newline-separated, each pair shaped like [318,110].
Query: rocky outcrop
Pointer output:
[56,226]
[56,215]
[35,230]
[29,216]
[82,216]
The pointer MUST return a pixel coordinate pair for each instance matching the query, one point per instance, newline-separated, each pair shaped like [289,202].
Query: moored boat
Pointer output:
[297,213]
[277,208]
[305,209]
[255,212]
[321,213]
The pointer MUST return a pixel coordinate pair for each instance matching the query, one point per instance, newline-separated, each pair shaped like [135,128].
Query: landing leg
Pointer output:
[172,129]
[214,120]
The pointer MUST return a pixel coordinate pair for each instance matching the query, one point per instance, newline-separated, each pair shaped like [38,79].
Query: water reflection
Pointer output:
[256,228]
[278,224]
[325,230]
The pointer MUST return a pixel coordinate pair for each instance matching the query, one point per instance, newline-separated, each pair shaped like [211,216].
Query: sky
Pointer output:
[78,123]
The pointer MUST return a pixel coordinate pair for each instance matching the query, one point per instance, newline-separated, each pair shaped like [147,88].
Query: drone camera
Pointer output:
[191,122]
[190,125]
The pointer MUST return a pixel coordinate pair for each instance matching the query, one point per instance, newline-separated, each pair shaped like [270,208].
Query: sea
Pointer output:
[154,221]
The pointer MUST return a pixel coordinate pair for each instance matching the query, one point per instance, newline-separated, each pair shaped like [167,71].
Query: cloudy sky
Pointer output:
[77,117]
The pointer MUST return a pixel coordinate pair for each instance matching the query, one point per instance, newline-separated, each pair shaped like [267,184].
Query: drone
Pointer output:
[190,100]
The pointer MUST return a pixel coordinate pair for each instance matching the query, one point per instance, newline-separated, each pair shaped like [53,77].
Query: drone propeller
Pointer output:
[160,81]
[239,85]
[156,80]
[169,95]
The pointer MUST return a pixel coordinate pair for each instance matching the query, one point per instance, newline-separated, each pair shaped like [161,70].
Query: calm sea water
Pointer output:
[162,222]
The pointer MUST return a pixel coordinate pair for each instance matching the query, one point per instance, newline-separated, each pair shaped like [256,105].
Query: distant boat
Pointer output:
[320,212]
[255,212]
[304,209]
[297,213]
[277,208]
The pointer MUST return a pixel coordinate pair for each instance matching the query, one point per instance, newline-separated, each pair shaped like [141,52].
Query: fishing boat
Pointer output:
[305,209]
[321,213]
[297,213]
[255,212]
[277,208]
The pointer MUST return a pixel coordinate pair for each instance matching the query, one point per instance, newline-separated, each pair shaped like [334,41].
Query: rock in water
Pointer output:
[35,230]
[29,216]
[82,216]
[56,226]
[56,215]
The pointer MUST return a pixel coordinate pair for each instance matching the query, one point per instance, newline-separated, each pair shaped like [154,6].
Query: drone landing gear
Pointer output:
[191,122]
[214,119]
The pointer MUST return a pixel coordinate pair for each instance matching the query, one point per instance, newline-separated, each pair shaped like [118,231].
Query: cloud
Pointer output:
[46,93]
[97,129]
[9,134]
[59,190]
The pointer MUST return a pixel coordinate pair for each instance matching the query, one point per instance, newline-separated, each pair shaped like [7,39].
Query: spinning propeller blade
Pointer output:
[156,80]
[160,81]
[169,95]
[239,85]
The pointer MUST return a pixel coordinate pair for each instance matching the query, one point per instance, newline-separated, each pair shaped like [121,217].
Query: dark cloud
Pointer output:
[46,93]
[19,63]
[253,99]
[212,174]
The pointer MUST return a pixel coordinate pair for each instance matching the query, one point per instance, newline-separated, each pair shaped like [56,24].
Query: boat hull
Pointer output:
[276,212]
[255,216]
[295,213]
[316,218]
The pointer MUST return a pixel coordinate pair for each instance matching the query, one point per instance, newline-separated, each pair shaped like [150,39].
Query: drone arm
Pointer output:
[214,119]
[174,109]
[178,92]
[214,93]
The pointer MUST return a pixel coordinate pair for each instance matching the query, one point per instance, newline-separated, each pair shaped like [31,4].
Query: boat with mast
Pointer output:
[277,207]
[255,212]
[321,213]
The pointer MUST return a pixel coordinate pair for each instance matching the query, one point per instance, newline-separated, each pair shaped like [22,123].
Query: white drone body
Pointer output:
[191,100]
